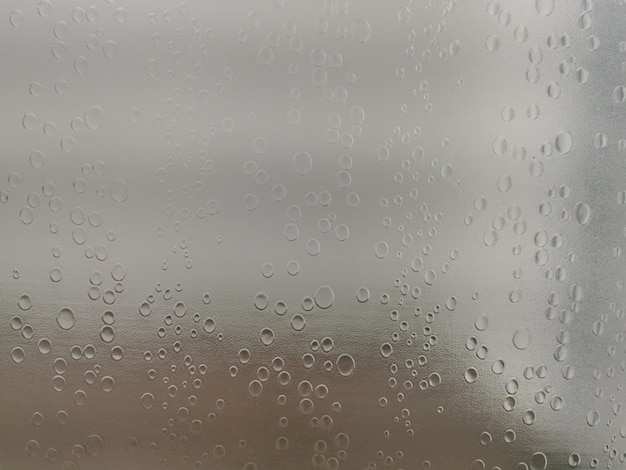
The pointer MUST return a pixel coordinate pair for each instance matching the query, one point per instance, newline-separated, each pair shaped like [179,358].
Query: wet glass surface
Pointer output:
[296,234]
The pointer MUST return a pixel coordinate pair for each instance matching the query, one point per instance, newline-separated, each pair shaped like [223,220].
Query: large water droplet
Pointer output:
[381,249]
[17,354]
[593,418]
[267,336]
[255,388]
[302,162]
[94,117]
[324,297]
[522,338]
[209,325]
[345,364]
[544,7]
[119,191]
[24,302]
[66,318]
[361,30]
[298,322]
[471,374]
[583,213]
[94,444]
[564,142]
[538,461]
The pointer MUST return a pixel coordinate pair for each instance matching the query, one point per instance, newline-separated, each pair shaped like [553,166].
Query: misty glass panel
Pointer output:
[289,234]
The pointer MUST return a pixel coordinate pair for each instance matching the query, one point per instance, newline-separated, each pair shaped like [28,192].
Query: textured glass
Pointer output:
[291,234]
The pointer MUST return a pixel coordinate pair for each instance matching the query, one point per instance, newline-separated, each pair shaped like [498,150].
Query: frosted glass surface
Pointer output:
[290,234]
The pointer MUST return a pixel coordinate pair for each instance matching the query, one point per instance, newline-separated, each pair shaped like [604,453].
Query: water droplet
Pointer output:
[107,334]
[94,117]
[434,379]
[180,309]
[265,55]
[255,388]
[68,144]
[485,438]
[574,460]
[324,297]
[538,461]
[117,353]
[267,336]
[509,436]
[119,191]
[313,247]
[94,444]
[261,301]
[345,364]
[298,322]
[107,384]
[430,277]
[24,302]
[267,270]
[32,448]
[147,401]
[209,325]
[593,418]
[342,232]
[481,323]
[362,294]
[556,403]
[490,237]
[145,309]
[44,346]
[292,232]
[152,68]
[293,267]
[381,249]
[30,121]
[110,49]
[564,142]
[16,18]
[583,213]
[509,403]
[282,443]
[544,7]
[522,338]
[361,31]
[471,375]
[250,201]
[528,417]
[386,350]
[17,354]
[66,318]
[302,162]
[492,43]
[58,383]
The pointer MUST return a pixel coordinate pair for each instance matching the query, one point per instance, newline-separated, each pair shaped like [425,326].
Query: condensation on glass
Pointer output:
[313,234]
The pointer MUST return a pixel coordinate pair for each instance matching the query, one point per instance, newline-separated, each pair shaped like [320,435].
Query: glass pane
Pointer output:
[299,234]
